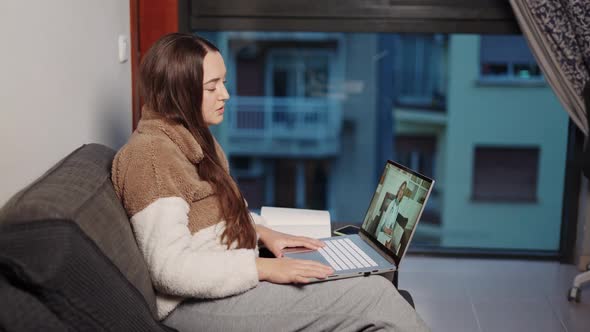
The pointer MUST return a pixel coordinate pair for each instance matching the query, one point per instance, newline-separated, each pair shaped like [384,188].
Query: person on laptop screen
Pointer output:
[385,228]
[394,210]
[193,227]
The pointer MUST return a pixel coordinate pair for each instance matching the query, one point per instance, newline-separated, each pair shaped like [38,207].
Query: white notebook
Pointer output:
[303,222]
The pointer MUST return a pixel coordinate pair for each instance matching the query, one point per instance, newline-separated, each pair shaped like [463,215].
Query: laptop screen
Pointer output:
[395,208]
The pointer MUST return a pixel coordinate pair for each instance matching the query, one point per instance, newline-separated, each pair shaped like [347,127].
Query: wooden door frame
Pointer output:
[135,57]
[149,20]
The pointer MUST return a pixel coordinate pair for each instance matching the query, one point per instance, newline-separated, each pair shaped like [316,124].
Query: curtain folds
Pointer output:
[558,33]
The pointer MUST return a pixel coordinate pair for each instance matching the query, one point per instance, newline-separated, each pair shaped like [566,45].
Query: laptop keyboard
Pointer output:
[343,254]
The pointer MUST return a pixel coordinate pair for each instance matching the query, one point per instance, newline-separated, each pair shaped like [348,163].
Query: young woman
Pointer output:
[193,226]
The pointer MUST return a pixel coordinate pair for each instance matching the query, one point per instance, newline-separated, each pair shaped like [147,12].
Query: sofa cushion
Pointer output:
[79,189]
[19,306]
[53,277]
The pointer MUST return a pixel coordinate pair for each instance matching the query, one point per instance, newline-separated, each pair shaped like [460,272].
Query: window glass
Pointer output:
[313,117]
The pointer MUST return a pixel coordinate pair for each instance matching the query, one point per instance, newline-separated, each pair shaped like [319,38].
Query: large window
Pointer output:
[305,128]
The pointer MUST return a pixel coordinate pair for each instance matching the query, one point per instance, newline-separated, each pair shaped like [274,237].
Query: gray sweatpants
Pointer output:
[356,304]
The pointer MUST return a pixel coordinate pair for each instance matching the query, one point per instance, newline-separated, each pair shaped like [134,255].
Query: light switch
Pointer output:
[123,48]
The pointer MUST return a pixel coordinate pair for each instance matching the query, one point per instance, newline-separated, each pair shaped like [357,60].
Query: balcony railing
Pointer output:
[284,126]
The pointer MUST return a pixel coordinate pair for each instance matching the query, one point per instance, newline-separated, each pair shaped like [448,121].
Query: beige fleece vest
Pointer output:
[160,160]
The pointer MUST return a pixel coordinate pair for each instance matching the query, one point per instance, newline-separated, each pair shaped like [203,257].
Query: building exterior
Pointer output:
[311,114]
[499,151]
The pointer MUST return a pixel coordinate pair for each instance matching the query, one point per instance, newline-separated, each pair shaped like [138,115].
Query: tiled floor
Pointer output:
[488,295]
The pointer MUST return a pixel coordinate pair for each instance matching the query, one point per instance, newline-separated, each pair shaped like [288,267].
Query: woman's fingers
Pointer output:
[287,270]
[314,241]
[315,266]
[277,251]
[313,273]
[302,241]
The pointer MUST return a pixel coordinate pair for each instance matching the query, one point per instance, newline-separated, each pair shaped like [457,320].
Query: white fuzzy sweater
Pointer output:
[182,265]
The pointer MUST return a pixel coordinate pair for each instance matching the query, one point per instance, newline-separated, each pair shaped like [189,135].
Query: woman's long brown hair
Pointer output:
[171,83]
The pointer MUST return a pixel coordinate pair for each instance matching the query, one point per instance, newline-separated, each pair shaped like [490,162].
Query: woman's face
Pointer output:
[214,92]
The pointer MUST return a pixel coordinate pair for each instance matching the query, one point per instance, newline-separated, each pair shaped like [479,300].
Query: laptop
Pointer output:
[386,232]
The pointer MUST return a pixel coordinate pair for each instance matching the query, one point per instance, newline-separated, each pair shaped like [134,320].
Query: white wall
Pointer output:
[61,84]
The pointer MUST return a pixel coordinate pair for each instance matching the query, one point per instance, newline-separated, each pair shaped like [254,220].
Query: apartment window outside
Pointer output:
[298,72]
[506,59]
[419,66]
[417,152]
[507,174]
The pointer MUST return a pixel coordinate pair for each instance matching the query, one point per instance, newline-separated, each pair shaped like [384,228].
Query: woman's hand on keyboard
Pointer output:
[277,241]
[287,270]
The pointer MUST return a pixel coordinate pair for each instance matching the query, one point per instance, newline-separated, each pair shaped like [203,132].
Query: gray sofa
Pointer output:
[68,258]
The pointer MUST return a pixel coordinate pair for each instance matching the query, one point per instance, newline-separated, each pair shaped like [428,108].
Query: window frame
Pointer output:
[394,16]
[416,16]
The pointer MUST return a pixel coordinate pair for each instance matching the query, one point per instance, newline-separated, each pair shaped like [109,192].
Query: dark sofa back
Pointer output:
[79,189]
